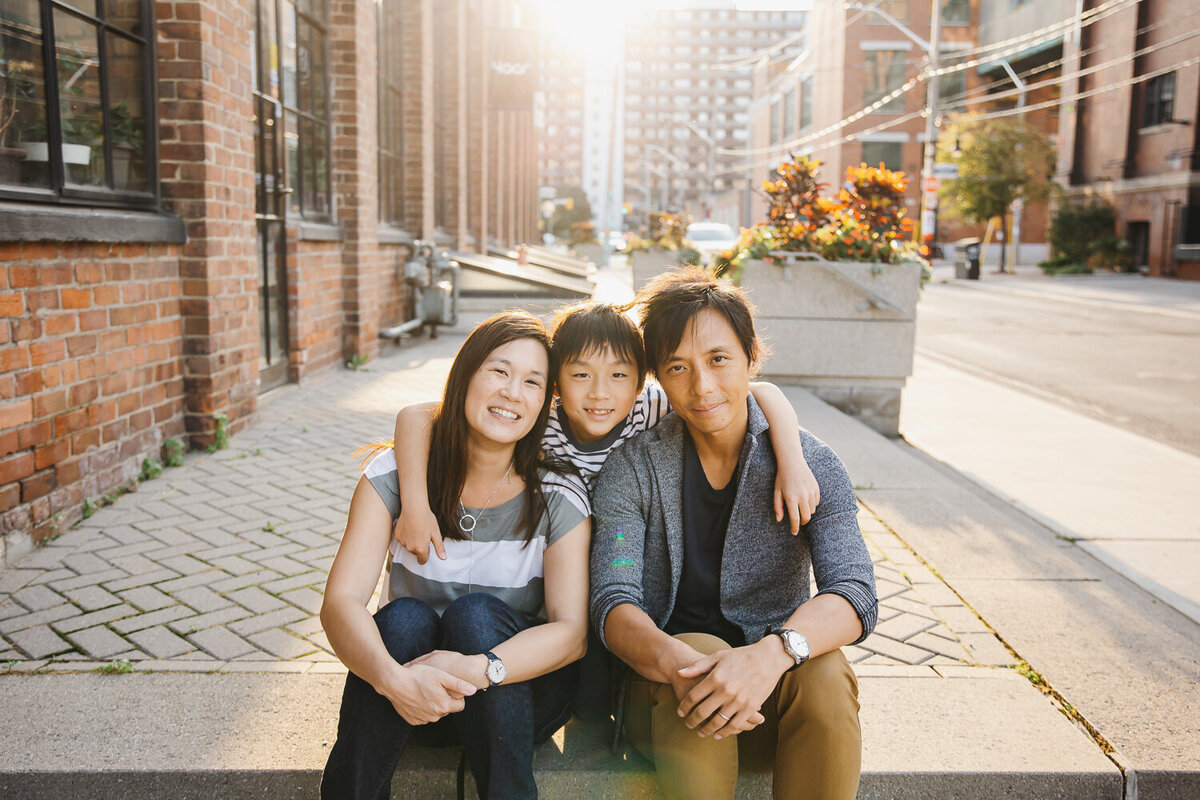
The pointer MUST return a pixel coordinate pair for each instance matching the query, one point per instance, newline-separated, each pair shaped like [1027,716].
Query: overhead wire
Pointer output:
[1022,43]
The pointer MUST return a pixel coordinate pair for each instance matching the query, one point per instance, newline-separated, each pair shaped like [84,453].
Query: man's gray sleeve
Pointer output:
[618,538]
[841,563]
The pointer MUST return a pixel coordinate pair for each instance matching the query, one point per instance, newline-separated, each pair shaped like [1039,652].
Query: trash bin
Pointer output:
[966,263]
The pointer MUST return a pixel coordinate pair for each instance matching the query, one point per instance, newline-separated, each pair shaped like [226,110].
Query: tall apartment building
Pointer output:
[841,100]
[1130,128]
[560,114]
[686,95]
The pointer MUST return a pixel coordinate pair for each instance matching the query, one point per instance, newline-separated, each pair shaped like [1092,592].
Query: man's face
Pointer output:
[707,378]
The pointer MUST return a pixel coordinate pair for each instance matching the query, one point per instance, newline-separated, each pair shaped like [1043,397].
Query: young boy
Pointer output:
[599,366]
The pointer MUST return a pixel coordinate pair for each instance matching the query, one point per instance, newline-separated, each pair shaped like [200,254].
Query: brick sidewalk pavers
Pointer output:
[219,564]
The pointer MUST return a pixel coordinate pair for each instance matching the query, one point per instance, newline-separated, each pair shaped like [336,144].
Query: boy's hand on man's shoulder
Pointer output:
[796,493]
[415,530]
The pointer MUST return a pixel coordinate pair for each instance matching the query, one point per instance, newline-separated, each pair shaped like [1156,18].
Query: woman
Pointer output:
[472,649]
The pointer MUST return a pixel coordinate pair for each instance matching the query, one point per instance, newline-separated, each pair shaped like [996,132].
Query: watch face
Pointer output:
[496,671]
[797,645]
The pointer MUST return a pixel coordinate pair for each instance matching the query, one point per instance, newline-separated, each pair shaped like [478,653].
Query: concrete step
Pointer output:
[958,733]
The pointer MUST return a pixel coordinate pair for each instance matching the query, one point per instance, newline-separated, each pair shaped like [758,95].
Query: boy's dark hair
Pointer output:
[671,300]
[587,327]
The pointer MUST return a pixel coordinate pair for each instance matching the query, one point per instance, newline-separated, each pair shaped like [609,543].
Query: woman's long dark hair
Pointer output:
[449,436]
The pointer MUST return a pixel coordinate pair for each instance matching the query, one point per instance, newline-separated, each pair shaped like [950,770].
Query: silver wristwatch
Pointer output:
[794,644]
[495,669]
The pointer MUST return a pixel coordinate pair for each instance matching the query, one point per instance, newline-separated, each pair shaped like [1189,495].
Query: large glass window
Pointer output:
[76,102]
[890,154]
[884,73]
[305,41]
[789,113]
[952,87]
[391,119]
[1160,100]
[956,12]
[806,102]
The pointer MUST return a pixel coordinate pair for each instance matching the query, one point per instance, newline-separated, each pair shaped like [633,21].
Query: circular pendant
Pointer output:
[467,527]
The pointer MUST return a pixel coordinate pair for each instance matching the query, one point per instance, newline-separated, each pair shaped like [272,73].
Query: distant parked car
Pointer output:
[711,239]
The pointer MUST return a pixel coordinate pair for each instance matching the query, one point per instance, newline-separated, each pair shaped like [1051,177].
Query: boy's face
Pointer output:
[597,390]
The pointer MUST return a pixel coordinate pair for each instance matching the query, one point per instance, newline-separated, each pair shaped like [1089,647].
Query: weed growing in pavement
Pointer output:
[220,433]
[304,429]
[90,507]
[120,666]
[151,469]
[1032,675]
[9,664]
[269,527]
[358,362]
[173,452]
[864,487]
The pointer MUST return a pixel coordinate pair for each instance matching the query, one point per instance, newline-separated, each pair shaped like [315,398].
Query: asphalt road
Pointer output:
[1125,351]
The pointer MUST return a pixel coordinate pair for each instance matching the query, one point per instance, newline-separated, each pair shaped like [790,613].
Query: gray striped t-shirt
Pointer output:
[496,559]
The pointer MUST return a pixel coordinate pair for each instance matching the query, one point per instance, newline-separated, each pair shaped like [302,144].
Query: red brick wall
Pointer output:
[314,278]
[90,378]
[207,166]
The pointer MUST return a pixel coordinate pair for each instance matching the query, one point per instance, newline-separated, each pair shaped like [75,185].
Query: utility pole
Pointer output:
[928,198]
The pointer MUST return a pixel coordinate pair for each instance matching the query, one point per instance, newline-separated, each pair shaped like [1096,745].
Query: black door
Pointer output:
[270,201]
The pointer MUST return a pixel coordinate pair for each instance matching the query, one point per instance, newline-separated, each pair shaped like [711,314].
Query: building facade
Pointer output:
[201,201]
[686,95]
[852,96]
[1129,131]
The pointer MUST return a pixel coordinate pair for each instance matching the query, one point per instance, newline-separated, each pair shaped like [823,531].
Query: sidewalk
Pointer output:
[208,581]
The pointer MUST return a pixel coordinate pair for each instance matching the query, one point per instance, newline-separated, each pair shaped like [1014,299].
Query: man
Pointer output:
[704,593]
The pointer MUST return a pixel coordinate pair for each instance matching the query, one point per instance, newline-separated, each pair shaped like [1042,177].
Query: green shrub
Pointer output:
[1083,236]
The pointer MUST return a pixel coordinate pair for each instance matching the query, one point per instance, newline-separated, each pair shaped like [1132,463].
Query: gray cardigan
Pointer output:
[637,539]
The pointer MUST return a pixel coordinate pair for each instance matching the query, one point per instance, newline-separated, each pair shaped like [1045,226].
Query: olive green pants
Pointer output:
[810,740]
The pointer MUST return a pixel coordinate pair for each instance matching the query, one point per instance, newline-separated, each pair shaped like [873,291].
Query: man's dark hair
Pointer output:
[591,327]
[670,302]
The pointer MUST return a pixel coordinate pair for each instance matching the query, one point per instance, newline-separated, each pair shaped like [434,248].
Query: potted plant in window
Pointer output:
[836,286]
[128,141]
[15,92]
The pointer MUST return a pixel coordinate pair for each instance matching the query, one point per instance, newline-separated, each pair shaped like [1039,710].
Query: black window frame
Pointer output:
[60,193]
[318,20]
[1158,100]
[390,160]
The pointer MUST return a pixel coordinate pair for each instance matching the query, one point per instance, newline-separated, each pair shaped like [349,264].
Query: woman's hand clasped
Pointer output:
[472,669]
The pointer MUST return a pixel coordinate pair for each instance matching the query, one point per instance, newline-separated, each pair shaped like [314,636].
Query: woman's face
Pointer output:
[506,393]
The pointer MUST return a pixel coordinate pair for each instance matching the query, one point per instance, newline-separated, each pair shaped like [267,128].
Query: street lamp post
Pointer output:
[712,164]
[671,160]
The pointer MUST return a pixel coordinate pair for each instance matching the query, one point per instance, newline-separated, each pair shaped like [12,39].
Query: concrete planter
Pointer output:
[844,329]
[647,264]
[593,252]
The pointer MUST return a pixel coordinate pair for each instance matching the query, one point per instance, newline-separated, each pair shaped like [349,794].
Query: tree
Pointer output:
[571,207]
[999,161]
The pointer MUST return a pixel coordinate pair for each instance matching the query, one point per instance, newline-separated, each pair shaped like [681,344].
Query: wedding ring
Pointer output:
[722,716]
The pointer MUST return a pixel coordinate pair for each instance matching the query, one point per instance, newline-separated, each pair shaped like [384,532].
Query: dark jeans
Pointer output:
[497,728]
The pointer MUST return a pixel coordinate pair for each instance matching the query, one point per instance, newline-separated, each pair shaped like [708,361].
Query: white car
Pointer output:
[711,239]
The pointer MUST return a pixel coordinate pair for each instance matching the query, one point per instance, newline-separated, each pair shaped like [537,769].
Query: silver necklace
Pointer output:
[469,530]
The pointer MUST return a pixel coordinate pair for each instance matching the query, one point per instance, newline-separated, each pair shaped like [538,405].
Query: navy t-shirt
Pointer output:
[706,514]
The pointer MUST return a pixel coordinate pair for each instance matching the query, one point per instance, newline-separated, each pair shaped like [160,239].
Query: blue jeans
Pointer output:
[497,728]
